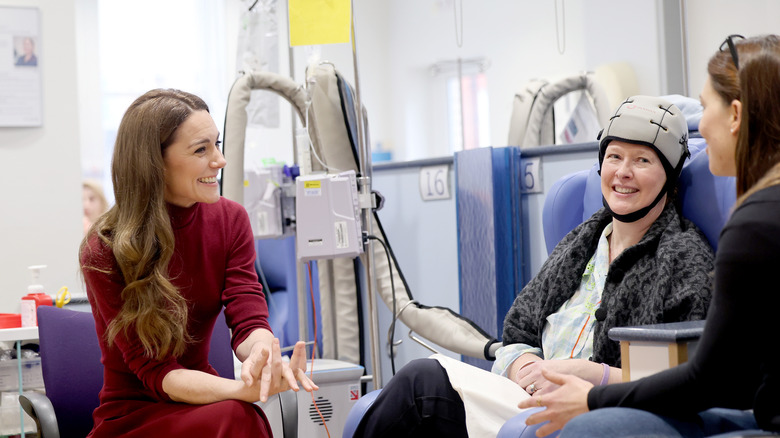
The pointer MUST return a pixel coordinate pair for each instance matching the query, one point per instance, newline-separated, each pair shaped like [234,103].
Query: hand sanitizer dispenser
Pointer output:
[35,297]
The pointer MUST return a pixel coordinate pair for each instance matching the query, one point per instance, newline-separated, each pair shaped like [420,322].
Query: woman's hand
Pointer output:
[569,399]
[265,373]
[532,373]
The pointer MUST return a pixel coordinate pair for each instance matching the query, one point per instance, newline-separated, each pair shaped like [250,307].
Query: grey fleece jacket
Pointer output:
[666,277]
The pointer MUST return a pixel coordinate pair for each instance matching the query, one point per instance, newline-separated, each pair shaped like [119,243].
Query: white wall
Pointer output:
[94,161]
[399,41]
[41,177]
[711,21]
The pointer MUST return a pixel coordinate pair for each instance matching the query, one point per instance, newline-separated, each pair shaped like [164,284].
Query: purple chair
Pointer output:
[73,373]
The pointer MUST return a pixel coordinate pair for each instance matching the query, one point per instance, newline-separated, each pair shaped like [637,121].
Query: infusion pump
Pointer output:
[327,214]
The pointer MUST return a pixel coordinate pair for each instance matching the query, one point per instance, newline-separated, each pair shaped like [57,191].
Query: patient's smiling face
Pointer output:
[631,176]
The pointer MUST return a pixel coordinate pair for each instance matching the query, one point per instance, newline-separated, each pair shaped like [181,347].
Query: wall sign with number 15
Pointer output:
[435,182]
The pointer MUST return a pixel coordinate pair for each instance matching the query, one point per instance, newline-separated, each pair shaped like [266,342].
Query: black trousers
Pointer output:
[417,402]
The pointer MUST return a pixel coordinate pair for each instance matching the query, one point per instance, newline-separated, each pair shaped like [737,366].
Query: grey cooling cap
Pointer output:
[650,121]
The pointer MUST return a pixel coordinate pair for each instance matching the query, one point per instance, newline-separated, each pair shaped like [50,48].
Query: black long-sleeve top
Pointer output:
[736,362]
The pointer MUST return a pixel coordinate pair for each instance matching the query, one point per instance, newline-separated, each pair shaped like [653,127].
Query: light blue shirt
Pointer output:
[568,333]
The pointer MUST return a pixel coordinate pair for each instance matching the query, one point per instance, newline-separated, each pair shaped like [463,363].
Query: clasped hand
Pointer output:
[265,372]
[569,399]
[532,373]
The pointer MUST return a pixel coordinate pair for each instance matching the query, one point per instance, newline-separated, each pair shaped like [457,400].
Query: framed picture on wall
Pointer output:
[21,99]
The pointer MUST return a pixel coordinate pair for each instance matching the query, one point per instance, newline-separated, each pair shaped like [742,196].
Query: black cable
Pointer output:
[261,276]
[391,335]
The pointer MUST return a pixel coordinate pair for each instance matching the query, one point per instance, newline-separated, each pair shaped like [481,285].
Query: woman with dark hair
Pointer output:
[159,266]
[731,386]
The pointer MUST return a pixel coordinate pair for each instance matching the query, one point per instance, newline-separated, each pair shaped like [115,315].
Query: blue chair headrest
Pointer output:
[705,199]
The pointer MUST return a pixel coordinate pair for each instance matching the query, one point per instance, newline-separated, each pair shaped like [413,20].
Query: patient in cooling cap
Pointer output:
[635,261]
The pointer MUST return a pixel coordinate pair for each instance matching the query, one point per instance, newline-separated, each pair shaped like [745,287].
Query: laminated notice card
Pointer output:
[319,22]
[21,99]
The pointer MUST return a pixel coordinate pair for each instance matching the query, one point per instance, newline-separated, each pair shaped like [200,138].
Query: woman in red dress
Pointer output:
[159,266]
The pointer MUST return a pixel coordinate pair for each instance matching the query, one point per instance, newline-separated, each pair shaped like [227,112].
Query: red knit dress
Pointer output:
[212,266]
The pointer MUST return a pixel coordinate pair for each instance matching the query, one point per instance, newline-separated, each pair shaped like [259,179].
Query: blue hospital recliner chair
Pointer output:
[276,265]
[705,199]
[276,260]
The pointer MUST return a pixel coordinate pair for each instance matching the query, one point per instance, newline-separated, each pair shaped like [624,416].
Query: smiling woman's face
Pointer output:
[192,162]
[632,176]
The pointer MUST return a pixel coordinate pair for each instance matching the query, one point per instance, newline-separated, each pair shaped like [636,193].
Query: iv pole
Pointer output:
[365,192]
[364,183]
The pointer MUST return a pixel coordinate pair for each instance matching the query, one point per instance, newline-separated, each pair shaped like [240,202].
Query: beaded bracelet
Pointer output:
[605,375]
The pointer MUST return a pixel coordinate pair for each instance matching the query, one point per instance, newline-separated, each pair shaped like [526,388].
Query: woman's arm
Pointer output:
[197,387]
[263,374]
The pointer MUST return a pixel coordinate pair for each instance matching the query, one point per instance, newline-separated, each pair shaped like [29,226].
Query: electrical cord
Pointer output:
[314,347]
[391,331]
[310,144]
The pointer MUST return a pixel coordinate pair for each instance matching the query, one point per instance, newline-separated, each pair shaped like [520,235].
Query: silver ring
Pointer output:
[531,389]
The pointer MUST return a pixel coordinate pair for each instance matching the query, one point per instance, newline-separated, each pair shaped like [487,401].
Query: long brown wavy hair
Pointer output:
[757,86]
[138,228]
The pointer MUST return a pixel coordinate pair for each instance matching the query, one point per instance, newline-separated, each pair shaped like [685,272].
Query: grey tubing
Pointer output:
[439,325]
[338,278]
[521,109]
[539,130]
[236,120]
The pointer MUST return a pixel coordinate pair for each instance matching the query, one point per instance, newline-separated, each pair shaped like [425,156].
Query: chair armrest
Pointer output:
[39,407]
[685,331]
[651,348]
[288,404]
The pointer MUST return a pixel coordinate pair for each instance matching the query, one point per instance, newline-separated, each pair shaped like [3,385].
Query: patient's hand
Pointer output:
[532,373]
[563,404]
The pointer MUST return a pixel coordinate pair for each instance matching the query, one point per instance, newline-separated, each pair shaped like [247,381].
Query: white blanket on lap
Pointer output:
[490,400]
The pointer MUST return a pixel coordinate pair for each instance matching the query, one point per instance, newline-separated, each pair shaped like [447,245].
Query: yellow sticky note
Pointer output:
[319,22]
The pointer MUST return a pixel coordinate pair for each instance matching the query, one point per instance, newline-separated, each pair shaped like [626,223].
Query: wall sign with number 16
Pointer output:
[435,182]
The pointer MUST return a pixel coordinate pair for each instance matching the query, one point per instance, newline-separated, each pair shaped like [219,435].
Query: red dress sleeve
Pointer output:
[246,309]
